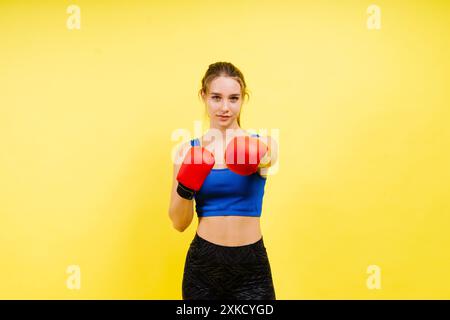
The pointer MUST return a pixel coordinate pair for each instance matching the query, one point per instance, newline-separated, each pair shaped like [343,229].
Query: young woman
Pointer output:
[227,258]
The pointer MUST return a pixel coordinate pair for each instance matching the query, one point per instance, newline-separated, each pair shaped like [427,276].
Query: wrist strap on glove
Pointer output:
[185,192]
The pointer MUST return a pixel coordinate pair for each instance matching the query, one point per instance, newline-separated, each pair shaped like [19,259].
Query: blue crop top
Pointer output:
[226,193]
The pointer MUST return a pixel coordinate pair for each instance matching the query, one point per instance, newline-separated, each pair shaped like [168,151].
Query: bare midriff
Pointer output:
[230,230]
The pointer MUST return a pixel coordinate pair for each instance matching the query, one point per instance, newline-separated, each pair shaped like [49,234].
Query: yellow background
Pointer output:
[86,118]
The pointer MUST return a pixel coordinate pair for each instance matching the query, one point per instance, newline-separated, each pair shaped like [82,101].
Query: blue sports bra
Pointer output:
[226,193]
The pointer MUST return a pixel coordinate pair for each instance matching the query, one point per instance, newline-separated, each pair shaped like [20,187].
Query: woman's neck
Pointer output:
[223,132]
[222,135]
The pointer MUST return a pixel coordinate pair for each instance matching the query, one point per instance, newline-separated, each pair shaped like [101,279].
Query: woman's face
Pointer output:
[223,102]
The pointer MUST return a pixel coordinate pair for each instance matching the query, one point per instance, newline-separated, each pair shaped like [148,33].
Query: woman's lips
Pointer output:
[223,117]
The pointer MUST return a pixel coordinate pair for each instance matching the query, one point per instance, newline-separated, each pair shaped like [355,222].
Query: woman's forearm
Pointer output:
[181,212]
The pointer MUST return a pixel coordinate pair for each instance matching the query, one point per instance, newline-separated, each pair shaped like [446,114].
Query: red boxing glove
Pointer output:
[243,154]
[196,166]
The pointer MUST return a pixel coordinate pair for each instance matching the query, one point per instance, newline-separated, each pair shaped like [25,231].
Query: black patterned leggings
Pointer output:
[214,272]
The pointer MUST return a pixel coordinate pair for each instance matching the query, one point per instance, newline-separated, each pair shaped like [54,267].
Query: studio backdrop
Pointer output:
[94,94]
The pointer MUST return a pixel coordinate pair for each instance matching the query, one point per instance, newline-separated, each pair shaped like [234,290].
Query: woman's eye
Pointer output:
[232,98]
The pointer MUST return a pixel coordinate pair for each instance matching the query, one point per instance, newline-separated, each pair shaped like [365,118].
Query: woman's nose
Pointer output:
[224,106]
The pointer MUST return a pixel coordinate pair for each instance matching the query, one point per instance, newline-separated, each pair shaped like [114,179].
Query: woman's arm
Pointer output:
[181,210]
[270,158]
